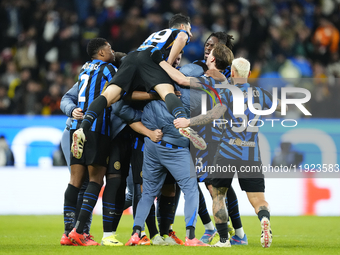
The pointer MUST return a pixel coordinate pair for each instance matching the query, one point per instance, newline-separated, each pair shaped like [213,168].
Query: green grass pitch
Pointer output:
[291,235]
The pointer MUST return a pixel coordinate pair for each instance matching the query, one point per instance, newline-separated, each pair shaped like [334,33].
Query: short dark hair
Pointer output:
[223,55]
[223,38]
[178,19]
[94,46]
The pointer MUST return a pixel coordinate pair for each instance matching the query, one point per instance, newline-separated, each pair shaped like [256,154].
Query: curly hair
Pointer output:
[94,46]
[223,38]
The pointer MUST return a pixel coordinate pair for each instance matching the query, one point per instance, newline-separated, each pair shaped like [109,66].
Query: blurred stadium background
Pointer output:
[289,43]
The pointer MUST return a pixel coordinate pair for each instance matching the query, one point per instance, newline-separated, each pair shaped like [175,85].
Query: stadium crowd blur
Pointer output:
[43,43]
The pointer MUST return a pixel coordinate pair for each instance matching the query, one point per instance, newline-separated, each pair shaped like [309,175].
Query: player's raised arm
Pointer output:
[219,58]
[179,43]
[174,74]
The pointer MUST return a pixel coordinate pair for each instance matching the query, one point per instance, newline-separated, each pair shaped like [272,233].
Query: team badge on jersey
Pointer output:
[116,165]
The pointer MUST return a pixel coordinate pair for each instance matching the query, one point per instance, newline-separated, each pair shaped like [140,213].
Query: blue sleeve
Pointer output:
[70,100]
[109,72]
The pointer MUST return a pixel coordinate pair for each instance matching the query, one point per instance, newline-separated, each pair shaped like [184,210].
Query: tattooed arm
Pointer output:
[214,113]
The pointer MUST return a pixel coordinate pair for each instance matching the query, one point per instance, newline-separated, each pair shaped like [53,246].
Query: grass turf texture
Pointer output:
[292,235]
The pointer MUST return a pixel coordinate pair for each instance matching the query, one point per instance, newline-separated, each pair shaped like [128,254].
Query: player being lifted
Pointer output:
[138,67]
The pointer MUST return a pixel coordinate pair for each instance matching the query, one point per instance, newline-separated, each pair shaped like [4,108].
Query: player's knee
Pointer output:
[164,90]
[112,94]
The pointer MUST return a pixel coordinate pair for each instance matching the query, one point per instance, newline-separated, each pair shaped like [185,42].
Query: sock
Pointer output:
[116,217]
[138,230]
[239,232]
[190,233]
[87,226]
[90,199]
[167,213]
[107,234]
[80,196]
[209,226]
[151,222]
[96,108]
[233,211]
[109,202]
[127,203]
[170,228]
[202,209]
[175,106]
[120,200]
[142,233]
[70,205]
[222,229]
[263,213]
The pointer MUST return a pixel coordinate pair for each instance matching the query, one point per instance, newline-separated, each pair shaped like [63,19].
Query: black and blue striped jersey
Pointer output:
[212,133]
[240,134]
[162,40]
[208,132]
[93,79]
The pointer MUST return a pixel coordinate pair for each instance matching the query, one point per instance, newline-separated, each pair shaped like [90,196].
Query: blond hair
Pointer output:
[241,66]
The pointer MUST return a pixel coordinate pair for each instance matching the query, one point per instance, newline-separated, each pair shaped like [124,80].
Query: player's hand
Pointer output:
[181,123]
[157,56]
[178,93]
[156,135]
[216,75]
[77,114]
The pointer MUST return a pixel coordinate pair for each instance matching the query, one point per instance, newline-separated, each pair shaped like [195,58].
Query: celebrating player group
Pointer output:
[141,113]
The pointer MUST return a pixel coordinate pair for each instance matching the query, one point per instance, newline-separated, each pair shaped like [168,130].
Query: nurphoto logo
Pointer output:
[238,102]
